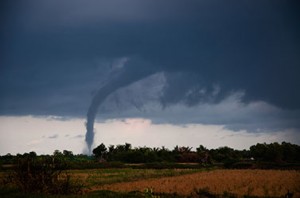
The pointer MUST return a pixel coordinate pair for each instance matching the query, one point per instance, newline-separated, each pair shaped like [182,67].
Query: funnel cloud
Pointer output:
[124,77]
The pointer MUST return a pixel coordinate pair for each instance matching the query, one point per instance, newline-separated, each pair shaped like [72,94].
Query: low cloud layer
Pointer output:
[145,99]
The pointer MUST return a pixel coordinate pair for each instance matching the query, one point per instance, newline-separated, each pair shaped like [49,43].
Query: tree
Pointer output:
[68,154]
[100,150]
[127,146]
[57,153]
[275,152]
[201,149]
[203,154]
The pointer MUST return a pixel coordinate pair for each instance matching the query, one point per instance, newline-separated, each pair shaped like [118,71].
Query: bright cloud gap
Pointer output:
[47,135]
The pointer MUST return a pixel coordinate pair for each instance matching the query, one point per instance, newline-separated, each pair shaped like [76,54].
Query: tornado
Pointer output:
[126,77]
[91,115]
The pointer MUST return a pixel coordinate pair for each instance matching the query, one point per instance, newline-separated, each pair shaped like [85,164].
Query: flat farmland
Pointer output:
[131,182]
[94,178]
[261,183]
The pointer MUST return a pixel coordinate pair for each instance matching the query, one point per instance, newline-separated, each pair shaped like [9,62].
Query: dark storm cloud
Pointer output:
[57,54]
[230,111]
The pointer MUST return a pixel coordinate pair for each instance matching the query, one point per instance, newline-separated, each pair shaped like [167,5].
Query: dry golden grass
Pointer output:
[240,182]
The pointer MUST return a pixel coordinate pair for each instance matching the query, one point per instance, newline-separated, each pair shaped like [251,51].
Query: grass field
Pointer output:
[263,183]
[186,182]
[99,177]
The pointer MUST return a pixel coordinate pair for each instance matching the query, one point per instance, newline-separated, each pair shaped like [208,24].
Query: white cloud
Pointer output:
[142,132]
[25,134]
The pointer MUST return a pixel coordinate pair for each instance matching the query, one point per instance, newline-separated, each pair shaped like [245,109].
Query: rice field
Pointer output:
[99,177]
[187,182]
[263,183]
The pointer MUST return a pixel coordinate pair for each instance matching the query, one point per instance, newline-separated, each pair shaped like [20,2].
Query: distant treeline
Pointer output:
[274,152]
[261,155]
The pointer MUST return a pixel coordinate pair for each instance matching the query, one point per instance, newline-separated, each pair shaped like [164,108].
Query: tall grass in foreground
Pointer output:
[43,175]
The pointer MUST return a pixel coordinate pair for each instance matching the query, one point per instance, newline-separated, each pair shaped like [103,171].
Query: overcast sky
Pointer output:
[174,72]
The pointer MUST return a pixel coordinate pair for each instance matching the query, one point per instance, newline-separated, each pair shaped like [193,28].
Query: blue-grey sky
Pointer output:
[225,63]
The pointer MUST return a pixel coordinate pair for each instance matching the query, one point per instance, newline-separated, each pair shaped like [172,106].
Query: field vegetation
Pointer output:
[259,183]
[185,183]
[99,177]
